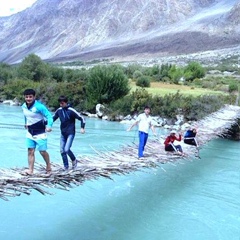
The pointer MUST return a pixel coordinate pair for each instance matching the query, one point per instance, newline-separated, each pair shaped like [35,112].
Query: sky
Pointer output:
[9,7]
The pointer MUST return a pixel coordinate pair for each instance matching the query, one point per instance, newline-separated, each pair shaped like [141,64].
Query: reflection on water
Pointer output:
[196,199]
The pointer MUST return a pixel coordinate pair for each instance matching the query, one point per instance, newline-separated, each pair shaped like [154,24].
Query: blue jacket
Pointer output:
[67,117]
[37,117]
[189,134]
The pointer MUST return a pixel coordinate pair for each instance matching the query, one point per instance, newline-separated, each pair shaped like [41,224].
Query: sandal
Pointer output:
[26,173]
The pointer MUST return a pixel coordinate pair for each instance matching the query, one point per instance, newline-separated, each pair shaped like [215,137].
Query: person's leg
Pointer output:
[68,146]
[31,160]
[179,148]
[67,149]
[169,148]
[190,141]
[31,145]
[62,151]
[195,142]
[141,144]
[42,148]
[46,158]
[145,140]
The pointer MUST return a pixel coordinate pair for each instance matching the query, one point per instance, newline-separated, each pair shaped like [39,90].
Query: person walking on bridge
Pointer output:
[144,122]
[67,116]
[38,121]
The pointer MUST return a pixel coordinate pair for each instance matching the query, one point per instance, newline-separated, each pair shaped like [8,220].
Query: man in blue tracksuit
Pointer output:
[67,116]
[38,121]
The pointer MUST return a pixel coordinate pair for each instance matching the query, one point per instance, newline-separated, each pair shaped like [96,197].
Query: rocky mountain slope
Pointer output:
[64,30]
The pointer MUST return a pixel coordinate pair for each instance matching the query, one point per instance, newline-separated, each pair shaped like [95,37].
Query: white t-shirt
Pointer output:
[144,122]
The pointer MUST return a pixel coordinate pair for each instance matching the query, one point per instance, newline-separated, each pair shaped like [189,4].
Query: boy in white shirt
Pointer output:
[144,122]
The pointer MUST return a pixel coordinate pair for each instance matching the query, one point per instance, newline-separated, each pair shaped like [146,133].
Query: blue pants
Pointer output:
[142,142]
[65,145]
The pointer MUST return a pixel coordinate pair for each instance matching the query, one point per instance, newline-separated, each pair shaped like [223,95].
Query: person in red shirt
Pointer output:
[169,146]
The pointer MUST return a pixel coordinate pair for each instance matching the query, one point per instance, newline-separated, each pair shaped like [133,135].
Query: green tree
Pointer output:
[15,87]
[5,72]
[193,70]
[130,69]
[58,74]
[106,84]
[33,68]
[73,90]
[175,74]
[140,98]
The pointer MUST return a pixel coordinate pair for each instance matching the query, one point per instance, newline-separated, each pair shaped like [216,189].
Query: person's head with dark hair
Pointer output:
[62,99]
[29,96]
[29,91]
[147,110]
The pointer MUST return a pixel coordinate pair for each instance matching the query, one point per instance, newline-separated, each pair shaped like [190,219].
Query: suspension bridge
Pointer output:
[223,123]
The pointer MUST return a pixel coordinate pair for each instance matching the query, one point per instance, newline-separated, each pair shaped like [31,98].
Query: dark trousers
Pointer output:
[172,148]
[190,141]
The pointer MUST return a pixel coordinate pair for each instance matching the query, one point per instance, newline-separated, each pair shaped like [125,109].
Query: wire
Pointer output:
[103,130]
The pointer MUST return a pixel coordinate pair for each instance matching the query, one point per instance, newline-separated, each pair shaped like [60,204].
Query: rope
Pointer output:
[5,125]
[21,127]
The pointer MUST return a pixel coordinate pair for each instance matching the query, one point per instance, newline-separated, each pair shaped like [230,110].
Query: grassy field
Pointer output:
[160,88]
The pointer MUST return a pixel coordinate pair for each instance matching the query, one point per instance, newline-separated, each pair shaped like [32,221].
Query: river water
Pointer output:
[195,200]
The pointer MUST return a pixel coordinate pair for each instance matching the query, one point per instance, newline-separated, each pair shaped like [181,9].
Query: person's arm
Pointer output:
[81,119]
[167,141]
[44,111]
[134,124]
[179,138]
[82,130]
[55,116]
[153,127]
[153,130]
[25,122]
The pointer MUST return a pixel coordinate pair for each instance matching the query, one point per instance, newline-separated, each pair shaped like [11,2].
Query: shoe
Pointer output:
[74,164]
[65,168]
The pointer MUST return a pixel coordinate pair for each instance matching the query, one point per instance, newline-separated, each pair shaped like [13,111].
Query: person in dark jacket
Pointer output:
[67,116]
[189,137]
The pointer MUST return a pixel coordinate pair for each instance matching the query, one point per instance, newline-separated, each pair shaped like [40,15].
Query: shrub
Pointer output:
[106,84]
[143,81]
[233,87]
[137,74]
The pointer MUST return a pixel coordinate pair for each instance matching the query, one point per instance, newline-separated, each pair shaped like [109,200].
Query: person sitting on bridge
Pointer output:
[169,146]
[189,137]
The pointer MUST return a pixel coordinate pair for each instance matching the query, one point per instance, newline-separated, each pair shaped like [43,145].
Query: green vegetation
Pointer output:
[143,81]
[168,89]
[106,84]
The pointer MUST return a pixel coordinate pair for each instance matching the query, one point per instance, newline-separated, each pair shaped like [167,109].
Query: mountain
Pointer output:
[67,30]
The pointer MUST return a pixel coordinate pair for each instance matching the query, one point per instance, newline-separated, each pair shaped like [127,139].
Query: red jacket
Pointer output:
[171,139]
